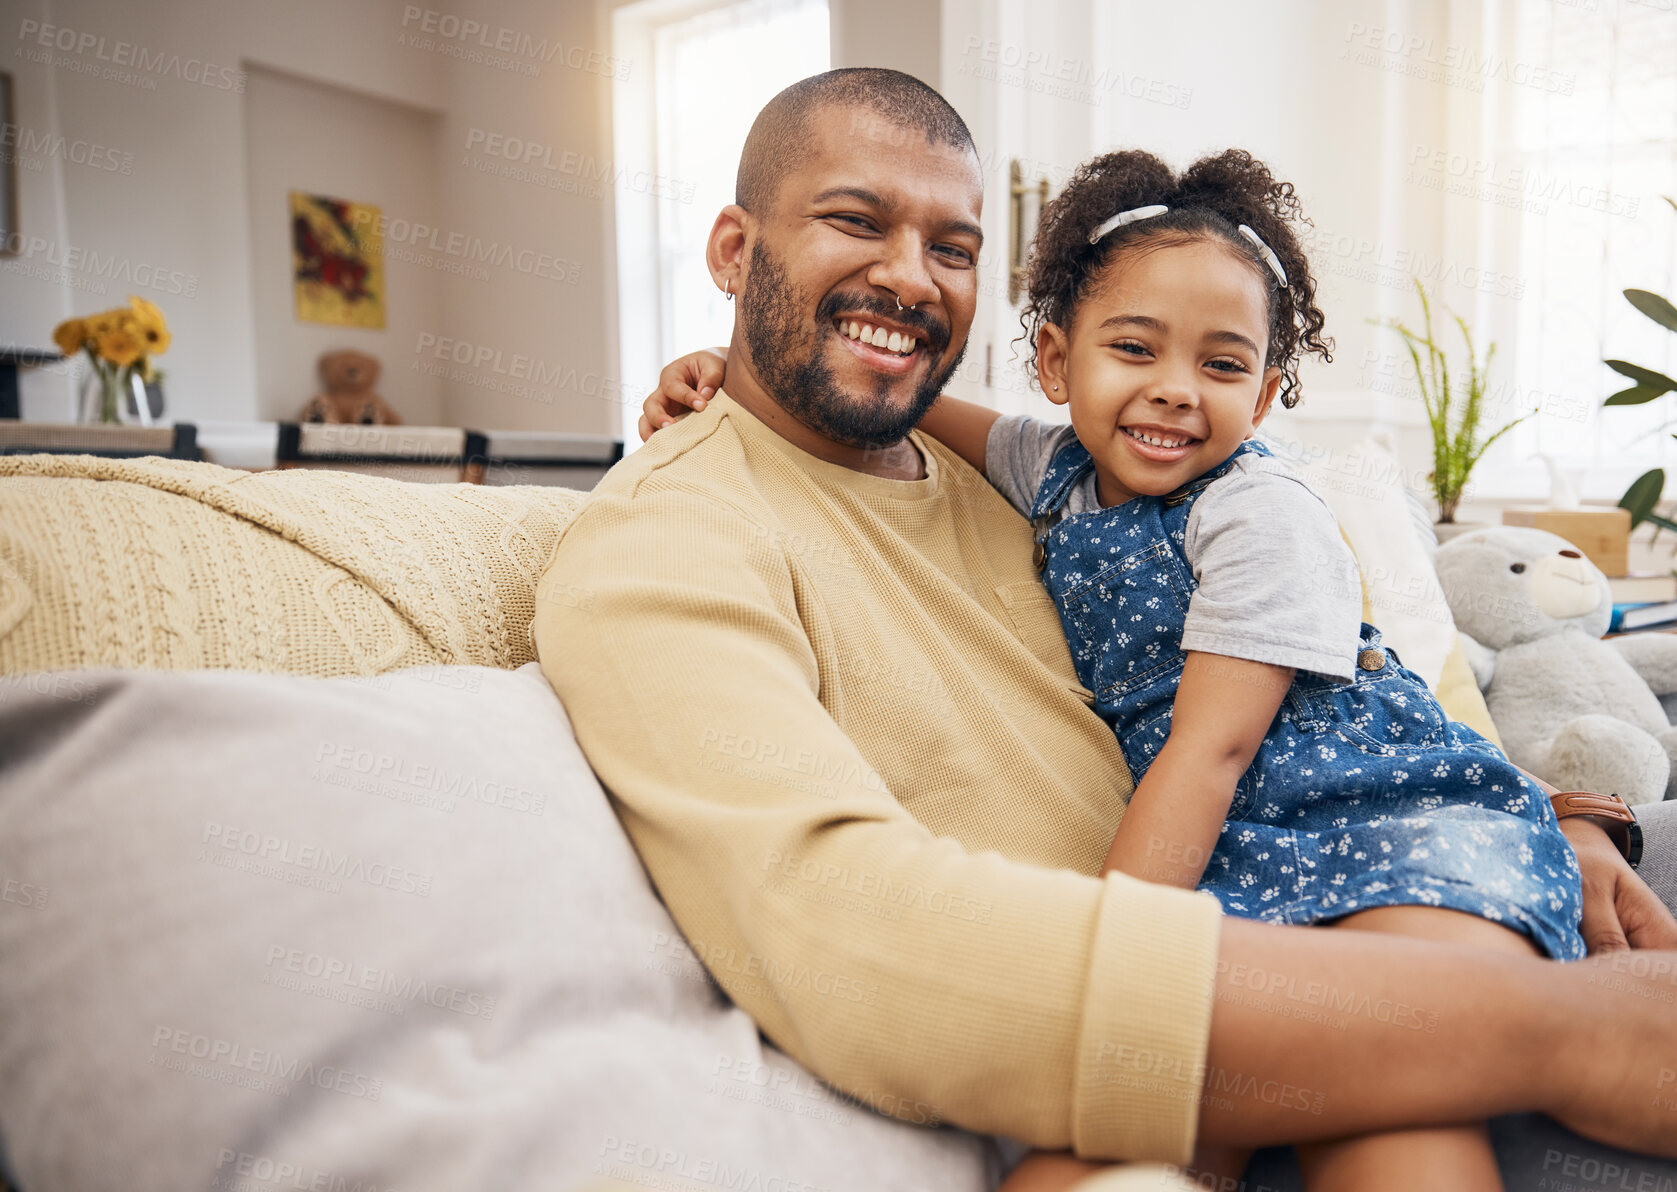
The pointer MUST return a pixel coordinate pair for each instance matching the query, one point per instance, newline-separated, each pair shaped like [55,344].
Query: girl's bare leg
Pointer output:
[1455,1157]
[1049,1171]
[1054,1171]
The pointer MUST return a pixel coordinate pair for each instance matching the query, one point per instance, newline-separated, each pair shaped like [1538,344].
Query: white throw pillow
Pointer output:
[1364,486]
[261,932]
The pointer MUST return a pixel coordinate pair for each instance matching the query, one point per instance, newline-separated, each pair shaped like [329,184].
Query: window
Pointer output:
[709,71]
[1585,164]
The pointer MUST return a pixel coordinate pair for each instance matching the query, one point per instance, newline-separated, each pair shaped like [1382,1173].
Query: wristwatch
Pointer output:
[1622,826]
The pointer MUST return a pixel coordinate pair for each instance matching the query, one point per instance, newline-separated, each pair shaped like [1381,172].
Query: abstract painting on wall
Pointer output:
[337,261]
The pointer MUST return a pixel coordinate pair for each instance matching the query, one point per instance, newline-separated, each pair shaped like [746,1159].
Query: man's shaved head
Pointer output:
[779,138]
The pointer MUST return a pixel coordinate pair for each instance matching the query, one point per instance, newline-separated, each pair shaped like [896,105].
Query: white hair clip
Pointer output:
[1126,217]
[1267,253]
[1135,213]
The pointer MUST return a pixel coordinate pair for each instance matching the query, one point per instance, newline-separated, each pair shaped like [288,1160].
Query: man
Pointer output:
[839,721]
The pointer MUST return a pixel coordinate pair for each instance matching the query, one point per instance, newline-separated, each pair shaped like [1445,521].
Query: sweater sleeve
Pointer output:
[931,983]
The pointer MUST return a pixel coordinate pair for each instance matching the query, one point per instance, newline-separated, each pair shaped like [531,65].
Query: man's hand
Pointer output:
[684,385]
[1620,911]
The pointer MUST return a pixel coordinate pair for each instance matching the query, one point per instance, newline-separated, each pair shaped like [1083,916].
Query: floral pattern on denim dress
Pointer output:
[1363,794]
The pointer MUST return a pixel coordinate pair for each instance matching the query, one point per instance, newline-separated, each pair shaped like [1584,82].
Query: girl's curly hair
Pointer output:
[1212,198]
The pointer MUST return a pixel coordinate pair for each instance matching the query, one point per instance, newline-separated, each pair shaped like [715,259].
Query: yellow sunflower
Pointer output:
[70,335]
[153,328]
[120,340]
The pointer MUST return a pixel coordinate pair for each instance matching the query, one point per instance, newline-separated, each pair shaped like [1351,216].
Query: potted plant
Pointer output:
[1454,412]
[1642,497]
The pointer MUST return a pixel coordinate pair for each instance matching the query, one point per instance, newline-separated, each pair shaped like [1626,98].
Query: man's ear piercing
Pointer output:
[728,288]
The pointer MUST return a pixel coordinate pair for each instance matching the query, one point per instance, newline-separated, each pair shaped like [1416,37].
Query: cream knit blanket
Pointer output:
[171,565]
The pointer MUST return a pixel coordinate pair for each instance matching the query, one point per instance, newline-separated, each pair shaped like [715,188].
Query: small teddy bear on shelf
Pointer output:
[1579,712]
[349,377]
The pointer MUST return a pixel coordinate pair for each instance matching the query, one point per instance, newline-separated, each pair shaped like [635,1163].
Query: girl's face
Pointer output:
[1163,366]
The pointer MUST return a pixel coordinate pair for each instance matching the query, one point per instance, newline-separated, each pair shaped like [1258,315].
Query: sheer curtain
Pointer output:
[710,73]
[1584,171]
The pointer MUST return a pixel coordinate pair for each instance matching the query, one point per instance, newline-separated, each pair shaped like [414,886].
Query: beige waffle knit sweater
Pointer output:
[838,718]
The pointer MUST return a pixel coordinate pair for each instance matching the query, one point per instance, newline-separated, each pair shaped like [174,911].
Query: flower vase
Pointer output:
[110,387]
[107,397]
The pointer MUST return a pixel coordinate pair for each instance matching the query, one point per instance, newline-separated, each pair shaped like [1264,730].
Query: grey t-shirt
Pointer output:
[1276,582]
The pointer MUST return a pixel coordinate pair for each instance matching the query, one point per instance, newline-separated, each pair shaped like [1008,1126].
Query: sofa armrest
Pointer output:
[1659,849]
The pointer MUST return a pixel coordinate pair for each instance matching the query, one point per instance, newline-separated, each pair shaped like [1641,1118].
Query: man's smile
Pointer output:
[871,332]
[884,349]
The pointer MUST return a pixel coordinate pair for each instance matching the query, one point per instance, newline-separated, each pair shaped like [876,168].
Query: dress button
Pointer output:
[1039,555]
[1372,659]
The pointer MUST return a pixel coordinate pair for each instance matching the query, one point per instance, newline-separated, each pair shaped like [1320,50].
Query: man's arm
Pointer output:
[1046,1005]
[1620,910]
[932,983]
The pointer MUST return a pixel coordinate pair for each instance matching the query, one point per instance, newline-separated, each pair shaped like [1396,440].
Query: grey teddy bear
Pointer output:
[1579,712]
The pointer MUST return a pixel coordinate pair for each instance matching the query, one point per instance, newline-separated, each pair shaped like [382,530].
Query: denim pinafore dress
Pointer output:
[1363,793]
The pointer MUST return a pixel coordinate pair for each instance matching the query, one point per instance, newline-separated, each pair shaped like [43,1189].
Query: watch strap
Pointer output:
[1625,830]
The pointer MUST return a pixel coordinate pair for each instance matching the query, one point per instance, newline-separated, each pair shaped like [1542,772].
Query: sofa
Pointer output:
[304,882]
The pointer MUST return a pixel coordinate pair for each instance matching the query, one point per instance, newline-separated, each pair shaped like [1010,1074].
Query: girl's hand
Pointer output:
[684,385]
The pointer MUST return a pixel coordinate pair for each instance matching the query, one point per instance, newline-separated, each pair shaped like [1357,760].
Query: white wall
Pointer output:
[29,308]
[523,175]
[324,140]
[548,213]
[903,35]
[1001,65]
[534,255]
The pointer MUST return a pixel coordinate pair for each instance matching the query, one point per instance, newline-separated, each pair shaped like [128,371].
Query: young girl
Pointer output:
[1284,759]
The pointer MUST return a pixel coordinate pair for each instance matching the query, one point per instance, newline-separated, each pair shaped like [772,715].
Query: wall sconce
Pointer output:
[1017,190]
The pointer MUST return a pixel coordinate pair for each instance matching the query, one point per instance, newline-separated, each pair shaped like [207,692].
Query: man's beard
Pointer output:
[788,357]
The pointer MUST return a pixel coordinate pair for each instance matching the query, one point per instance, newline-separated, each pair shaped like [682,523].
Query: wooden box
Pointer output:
[1601,532]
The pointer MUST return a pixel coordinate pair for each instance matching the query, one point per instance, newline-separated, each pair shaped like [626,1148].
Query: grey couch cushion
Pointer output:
[263,931]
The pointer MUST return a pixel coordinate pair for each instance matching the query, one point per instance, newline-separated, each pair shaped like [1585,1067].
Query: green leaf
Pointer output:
[1643,494]
[1664,523]
[1643,376]
[1634,396]
[1655,307]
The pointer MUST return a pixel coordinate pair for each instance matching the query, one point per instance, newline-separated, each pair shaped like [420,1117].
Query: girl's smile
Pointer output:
[1162,444]
[1164,366]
